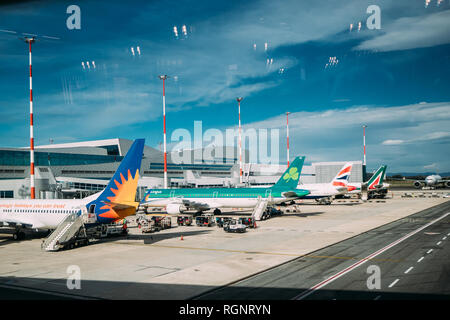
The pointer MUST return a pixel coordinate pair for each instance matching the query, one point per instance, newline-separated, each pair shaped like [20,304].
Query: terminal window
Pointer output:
[6,194]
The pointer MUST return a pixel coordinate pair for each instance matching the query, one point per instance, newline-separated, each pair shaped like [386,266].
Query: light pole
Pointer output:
[163,78]
[287,133]
[364,147]
[31,40]
[240,139]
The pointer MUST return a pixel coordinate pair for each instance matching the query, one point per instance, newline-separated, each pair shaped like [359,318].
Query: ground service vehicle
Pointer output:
[184,220]
[249,222]
[204,220]
[221,221]
[234,226]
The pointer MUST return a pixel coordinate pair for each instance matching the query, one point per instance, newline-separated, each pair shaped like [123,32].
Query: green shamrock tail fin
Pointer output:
[289,179]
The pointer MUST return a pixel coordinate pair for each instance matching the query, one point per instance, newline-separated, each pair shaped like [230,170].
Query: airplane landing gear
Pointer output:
[19,235]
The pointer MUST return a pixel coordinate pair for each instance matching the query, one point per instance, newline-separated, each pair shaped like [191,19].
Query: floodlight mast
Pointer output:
[30,38]
[239,99]
[364,143]
[364,150]
[163,78]
[287,135]
[30,41]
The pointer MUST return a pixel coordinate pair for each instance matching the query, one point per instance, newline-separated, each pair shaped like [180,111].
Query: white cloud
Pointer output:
[428,137]
[392,142]
[431,166]
[411,32]
[404,137]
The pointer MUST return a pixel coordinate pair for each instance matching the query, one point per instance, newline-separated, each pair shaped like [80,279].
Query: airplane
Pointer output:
[375,184]
[337,186]
[114,203]
[177,201]
[432,181]
[194,179]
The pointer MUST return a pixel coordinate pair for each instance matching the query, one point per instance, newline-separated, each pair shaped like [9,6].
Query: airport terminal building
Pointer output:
[75,170]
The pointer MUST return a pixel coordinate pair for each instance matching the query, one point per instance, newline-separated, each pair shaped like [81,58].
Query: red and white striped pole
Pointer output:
[163,78]
[240,139]
[364,143]
[287,132]
[32,187]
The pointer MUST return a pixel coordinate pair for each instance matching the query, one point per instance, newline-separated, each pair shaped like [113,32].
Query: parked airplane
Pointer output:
[337,186]
[374,185]
[177,201]
[114,203]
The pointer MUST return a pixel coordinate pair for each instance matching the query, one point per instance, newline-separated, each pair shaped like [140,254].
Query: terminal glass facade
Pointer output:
[22,158]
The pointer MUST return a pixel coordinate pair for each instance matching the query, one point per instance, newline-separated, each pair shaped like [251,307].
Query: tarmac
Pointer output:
[164,265]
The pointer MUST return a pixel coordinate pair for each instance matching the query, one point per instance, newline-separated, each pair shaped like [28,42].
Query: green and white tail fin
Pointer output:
[289,179]
[377,178]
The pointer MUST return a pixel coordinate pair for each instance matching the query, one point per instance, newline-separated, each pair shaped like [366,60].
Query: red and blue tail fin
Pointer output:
[341,179]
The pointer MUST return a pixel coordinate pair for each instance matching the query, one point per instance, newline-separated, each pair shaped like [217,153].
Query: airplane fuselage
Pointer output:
[433,180]
[220,197]
[321,190]
[38,214]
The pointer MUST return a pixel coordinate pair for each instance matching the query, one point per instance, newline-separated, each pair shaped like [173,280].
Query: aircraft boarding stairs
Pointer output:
[259,209]
[69,229]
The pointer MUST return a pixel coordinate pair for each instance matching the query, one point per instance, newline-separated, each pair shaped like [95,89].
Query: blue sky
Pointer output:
[395,79]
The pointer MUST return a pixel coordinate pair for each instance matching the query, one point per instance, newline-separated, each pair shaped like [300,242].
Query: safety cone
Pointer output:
[181,237]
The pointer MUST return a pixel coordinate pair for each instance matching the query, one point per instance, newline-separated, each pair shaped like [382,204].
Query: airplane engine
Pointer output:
[417,184]
[447,184]
[175,208]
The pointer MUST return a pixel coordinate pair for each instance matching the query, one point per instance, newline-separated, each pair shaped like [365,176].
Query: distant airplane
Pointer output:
[337,186]
[432,181]
[114,203]
[177,201]
[194,179]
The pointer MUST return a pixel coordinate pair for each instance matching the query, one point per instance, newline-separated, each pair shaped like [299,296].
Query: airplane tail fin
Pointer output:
[377,178]
[118,198]
[341,179]
[291,176]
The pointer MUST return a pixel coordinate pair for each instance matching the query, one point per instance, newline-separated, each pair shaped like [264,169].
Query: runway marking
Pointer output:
[323,283]
[393,283]
[409,269]
[420,259]
[429,251]
[270,253]
[439,243]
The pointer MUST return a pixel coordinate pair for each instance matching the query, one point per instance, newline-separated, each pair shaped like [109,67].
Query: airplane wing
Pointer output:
[406,179]
[289,194]
[193,204]
[294,194]
[199,205]
[15,223]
